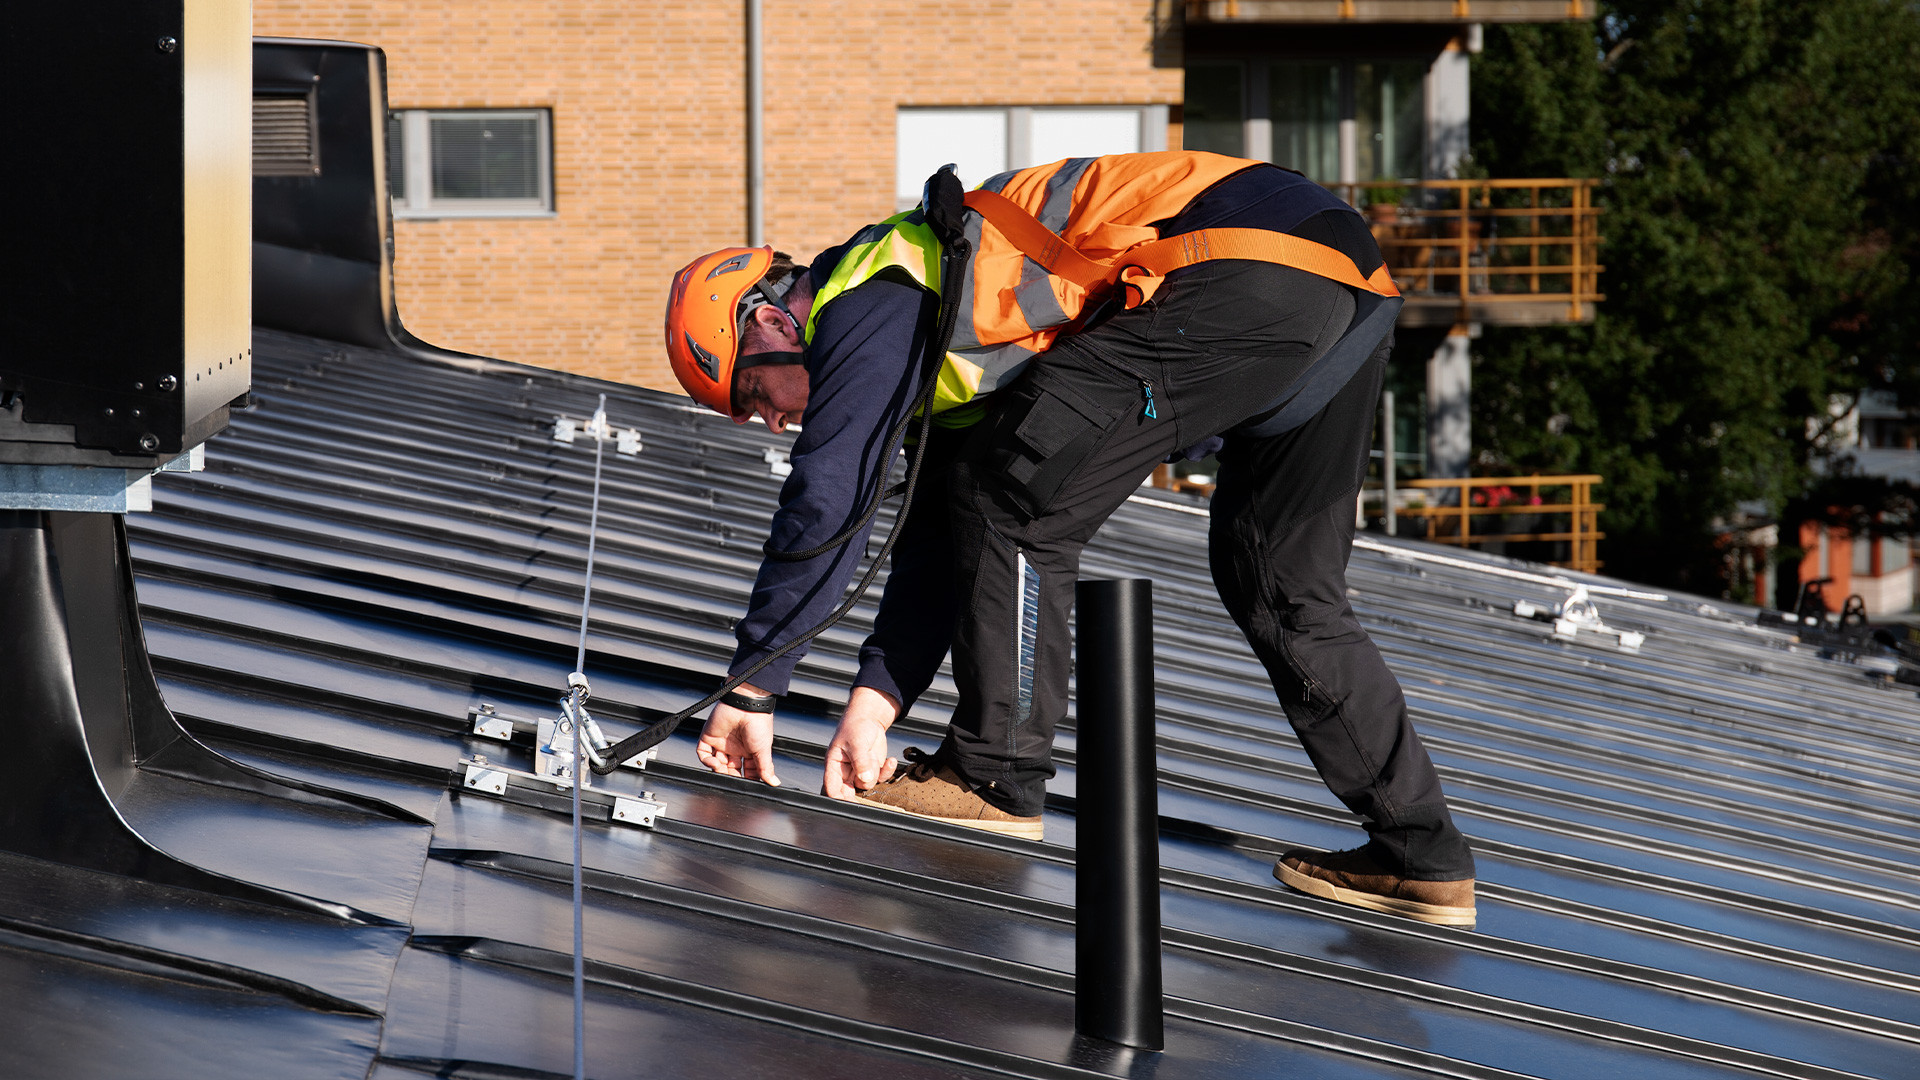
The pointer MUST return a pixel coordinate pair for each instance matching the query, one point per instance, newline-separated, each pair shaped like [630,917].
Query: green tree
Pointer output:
[1759,185]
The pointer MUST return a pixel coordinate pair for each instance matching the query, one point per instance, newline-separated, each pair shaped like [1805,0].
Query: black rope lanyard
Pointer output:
[955,252]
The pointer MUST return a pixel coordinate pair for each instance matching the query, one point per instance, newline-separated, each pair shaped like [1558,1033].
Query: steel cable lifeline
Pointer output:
[943,215]
[574,704]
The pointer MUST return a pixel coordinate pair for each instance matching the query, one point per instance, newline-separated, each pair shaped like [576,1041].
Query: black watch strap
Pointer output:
[734,699]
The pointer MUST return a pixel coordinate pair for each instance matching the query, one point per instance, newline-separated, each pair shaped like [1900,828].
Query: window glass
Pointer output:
[1065,133]
[975,140]
[1214,113]
[1390,109]
[1894,554]
[483,156]
[1862,555]
[470,162]
[1304,104]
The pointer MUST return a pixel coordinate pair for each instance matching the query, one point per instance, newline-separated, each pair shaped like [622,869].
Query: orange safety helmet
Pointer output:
[704,324]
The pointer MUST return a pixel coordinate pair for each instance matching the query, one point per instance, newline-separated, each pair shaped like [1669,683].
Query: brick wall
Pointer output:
[649,132]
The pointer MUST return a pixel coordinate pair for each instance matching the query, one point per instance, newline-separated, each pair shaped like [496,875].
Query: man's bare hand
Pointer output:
[738,743]
[857,758]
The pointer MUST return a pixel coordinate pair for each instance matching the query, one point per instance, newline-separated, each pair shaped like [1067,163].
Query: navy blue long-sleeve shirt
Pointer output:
[862,365]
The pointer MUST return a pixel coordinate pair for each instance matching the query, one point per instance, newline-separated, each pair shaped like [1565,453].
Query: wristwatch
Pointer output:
[764,703]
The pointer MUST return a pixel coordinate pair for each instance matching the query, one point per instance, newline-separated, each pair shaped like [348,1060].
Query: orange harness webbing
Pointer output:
[1141,267]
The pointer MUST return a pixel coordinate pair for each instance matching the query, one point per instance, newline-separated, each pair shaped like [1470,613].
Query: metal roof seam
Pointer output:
[380,543]
[1546,1016]
[1464,777]
[1570,960]
[1703,988]
[654,892]
[559,965]
[184,965]
[1701,891]
[1544,824]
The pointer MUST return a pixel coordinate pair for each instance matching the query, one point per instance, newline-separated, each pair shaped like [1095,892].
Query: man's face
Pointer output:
[776,393]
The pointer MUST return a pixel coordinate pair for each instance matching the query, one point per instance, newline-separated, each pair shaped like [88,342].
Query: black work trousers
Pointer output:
[1078,433]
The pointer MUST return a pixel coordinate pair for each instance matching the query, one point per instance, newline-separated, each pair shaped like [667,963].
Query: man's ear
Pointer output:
[775,324]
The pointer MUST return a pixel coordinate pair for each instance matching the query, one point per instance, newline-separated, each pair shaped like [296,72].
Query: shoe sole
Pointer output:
[1437,914]
[1023,830]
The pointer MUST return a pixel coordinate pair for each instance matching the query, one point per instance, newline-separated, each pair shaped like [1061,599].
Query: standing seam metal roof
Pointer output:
[1696,860]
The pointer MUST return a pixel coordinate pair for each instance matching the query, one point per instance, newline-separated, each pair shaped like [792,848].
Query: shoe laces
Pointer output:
[920,764]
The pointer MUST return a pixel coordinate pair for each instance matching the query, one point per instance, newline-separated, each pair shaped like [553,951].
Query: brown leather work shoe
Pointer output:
[928,789]
[1354,877]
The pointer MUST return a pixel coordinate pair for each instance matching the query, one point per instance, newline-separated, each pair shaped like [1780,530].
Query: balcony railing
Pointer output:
[1451,509]
[1464,501]
[1511,251]
[1386,11]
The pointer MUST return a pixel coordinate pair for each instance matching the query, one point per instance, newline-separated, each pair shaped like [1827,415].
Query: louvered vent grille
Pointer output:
[284,140]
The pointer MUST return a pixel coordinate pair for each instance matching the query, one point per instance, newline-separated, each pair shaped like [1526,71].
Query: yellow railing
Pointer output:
[1487,241]
[1462,501]
[1450,520]
[1388,11]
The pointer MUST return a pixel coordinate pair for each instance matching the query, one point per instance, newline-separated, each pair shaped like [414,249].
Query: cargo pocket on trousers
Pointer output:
[1061,428]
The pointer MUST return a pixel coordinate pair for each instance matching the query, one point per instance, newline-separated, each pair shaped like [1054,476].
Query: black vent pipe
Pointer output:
[1117,865]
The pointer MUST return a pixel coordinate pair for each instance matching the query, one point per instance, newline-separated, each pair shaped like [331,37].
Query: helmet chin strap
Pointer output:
[751,360]
[765,359]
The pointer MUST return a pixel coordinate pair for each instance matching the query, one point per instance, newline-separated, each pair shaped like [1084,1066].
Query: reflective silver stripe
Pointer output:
[1059,205]
[998,364]
[1026,634]
[964,336]
[1035,296]
[868,235]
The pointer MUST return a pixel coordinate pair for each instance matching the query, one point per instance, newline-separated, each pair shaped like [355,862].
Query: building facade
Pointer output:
[552,164]
[585,150]
[1878,436]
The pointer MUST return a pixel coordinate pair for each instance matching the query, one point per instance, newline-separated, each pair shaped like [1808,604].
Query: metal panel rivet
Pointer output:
[168,382]
[149,442]
[167,44]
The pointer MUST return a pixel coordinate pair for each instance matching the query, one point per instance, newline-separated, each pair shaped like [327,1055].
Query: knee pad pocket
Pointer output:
[1035,456]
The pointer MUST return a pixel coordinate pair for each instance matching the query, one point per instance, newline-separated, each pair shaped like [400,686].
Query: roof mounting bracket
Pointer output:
[477,775]
[490,723]
[566,429]
[1576,613]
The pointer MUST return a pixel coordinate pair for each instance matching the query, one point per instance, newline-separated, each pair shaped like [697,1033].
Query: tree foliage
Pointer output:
[1760,168]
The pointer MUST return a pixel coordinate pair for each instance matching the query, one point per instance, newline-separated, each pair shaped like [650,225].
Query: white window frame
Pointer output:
[416,141]
[1152,120]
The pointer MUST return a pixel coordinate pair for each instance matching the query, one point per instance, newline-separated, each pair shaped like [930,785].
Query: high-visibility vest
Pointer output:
[1052,241]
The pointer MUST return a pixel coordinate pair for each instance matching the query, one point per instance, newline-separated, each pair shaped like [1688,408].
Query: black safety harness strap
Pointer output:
[1372,321]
